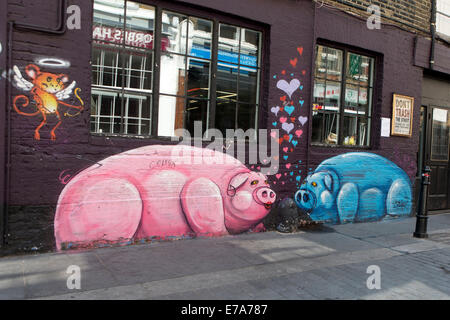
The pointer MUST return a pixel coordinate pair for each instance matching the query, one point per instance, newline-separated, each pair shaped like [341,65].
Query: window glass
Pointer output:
[123,66]
[177,28]
[351,110]
[185,72]
[238,76]
[198,78]
[440,134]
[200,38]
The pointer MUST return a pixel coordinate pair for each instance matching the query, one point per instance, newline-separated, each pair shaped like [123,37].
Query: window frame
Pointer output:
[346,50]
[216,18]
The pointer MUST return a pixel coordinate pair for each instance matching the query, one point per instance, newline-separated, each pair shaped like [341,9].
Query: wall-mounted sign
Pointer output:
[385,127]
[402,115]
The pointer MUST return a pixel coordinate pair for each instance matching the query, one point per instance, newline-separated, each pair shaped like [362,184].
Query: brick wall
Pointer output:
[413,15]
[38,166]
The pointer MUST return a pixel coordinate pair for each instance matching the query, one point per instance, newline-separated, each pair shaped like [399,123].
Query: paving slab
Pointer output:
[327,264]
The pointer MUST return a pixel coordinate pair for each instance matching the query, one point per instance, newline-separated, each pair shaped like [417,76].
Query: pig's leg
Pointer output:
[347,202]
[258,228]
[97,208]
[203,206]
[371,205]
[399,198]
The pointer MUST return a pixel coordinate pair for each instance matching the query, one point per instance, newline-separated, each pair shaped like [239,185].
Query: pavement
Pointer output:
[329,262]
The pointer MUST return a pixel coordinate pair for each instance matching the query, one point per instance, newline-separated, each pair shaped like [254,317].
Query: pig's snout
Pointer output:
[265,196]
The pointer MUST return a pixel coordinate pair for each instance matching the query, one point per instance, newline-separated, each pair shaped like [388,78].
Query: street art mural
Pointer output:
[355,187]
[161,192]
[291,126]
[47,92]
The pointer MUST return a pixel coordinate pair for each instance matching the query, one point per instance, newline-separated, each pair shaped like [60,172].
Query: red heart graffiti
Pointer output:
[300,50]
[286,137]
[303,72]
[283,98]
[283,72]
[293,62]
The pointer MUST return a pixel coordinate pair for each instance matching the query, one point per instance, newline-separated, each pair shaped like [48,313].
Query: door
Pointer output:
[437,130]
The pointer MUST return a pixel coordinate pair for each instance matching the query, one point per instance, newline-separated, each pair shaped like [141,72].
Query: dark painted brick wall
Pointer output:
[36,165]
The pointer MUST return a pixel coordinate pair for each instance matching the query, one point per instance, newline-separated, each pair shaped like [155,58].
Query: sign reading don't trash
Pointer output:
[402,115]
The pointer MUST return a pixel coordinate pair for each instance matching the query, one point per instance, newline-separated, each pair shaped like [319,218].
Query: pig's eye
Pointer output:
[314,184]
[254,182]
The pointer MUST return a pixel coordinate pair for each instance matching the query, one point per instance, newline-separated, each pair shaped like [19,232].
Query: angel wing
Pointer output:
[20,82]
[65,93]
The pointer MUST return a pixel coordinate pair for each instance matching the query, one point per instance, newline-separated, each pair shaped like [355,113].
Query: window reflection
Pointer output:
[330,106]
[440,135]
[123,61]
[122,67]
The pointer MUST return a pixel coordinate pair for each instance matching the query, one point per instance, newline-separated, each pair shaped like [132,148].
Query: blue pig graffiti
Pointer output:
[355,187]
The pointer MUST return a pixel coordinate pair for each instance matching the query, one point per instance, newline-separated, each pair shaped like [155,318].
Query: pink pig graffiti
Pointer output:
[161,191]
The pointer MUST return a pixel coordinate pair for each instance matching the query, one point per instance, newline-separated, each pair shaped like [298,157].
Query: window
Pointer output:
[342,99]
[440,135]
[443,18]
[122,68]
[207,71]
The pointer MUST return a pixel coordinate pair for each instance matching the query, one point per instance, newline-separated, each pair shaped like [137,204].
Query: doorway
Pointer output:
[434,151]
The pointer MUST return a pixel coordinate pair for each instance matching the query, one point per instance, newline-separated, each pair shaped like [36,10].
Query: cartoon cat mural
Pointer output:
[161,191]
[354,187]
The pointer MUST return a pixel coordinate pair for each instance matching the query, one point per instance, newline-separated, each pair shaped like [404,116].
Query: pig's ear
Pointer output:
[328,180]
[331,181]
[237,181]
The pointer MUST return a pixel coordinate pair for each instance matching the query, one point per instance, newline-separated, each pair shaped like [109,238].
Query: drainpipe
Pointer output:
[59,30]
[433,32]
[3,68]
[311,96]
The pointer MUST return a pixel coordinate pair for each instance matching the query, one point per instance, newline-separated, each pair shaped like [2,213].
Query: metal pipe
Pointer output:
[311,95]
[433,33]
[59,30]
[8,130]
[422,215]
